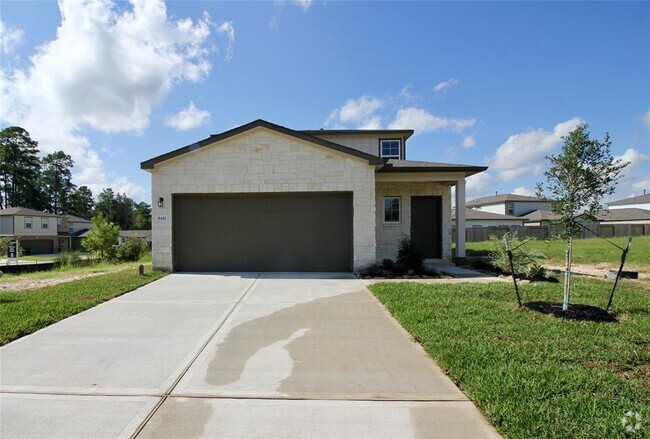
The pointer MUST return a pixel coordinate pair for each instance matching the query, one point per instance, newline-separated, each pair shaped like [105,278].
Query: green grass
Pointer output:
[23,312]
[592,251]
[535,375]
[59,272]
[37,258]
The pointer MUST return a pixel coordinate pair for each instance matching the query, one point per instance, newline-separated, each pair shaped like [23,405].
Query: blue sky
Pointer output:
[494,83]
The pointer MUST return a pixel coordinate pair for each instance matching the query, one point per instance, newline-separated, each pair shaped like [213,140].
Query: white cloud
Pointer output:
[468,142]
[442,86]
[524,153]
[303,4]
[646,119]
[635,175]
[522,190]
[107,69]
[10,38]
[228,29]
[360,112]
[479,185]
[421,121]
[189,118]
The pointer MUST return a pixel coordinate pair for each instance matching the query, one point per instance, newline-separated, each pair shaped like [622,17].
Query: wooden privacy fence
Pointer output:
[476,234]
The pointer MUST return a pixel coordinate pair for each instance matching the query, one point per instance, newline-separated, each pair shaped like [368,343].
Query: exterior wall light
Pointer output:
[161,202]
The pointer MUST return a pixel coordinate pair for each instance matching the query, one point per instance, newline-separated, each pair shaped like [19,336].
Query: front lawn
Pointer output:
[23,312]
[531,374]
[591,251]
[68,271]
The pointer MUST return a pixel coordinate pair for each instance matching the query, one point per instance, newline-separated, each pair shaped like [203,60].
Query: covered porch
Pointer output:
[414,199]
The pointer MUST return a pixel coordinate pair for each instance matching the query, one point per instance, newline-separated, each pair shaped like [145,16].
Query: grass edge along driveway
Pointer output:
[24,312]
[534,375]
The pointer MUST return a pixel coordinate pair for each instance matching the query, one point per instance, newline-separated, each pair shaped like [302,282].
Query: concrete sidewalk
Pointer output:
[231,355]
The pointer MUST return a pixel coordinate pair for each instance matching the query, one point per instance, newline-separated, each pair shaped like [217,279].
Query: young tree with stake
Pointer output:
[578,178]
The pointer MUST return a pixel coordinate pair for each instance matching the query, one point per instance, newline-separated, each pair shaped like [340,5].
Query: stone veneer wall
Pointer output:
[262,160]
[388,235]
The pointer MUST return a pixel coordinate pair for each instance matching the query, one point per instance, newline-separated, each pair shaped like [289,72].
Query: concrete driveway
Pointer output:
[231,355]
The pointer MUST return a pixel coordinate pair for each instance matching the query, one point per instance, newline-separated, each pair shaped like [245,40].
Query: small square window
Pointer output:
[391,209]
[28,222]
[45,223]
[390,149]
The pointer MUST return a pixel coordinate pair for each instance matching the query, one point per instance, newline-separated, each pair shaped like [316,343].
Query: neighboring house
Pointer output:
[509,204]
[623,216]
[478,218]
[38,232]
[142,234]
[640,202]
[540,218]
[262,197]
[78,228]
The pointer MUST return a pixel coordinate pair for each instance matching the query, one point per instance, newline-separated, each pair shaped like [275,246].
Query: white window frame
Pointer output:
[390,156]
[59,222]
[399,209]
[45,223]
[29,224]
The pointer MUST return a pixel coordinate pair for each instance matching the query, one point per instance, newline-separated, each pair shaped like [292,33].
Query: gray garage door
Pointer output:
[263,232]
[38,247]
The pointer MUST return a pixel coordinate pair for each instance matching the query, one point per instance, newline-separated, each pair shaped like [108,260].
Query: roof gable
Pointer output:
[151,163]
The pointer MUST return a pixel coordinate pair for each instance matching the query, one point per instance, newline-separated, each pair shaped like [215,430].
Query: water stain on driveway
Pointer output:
[339,347]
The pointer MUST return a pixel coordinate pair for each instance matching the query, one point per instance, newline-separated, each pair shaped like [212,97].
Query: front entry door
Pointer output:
[426,226]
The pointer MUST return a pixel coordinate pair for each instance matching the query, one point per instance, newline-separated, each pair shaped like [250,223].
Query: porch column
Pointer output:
[460,221]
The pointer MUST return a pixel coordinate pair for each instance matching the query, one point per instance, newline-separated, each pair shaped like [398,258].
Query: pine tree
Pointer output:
[57,181]
[19,170]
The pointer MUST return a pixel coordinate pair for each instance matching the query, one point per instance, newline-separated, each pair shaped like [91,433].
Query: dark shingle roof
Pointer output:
[628,214]
[151,163]
[78,219]
[638,199]
[502,199]
[473,214]
[404,133]
[541,215]
[25,211]
[394,165]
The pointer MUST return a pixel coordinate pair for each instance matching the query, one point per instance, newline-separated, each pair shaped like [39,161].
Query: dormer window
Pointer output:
[390,148]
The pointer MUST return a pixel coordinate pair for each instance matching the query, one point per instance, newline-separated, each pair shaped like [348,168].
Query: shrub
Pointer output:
[537,272]
[409,257]
[523,257]
[131,250]
[69,259]
[388,264]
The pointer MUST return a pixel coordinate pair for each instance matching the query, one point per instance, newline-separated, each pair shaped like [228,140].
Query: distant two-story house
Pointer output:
[509,204]
[638,202]
[38,232]
[263,197]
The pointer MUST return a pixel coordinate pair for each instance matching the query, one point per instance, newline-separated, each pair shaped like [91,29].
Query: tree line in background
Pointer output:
[46,185]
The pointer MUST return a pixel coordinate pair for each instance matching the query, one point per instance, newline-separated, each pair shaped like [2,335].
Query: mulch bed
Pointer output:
[575,312]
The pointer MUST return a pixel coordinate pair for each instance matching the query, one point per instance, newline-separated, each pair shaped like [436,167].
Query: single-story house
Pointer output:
[262,197]
[38,232]
[479,218]
[145,235]
[639,202]
[509,204]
